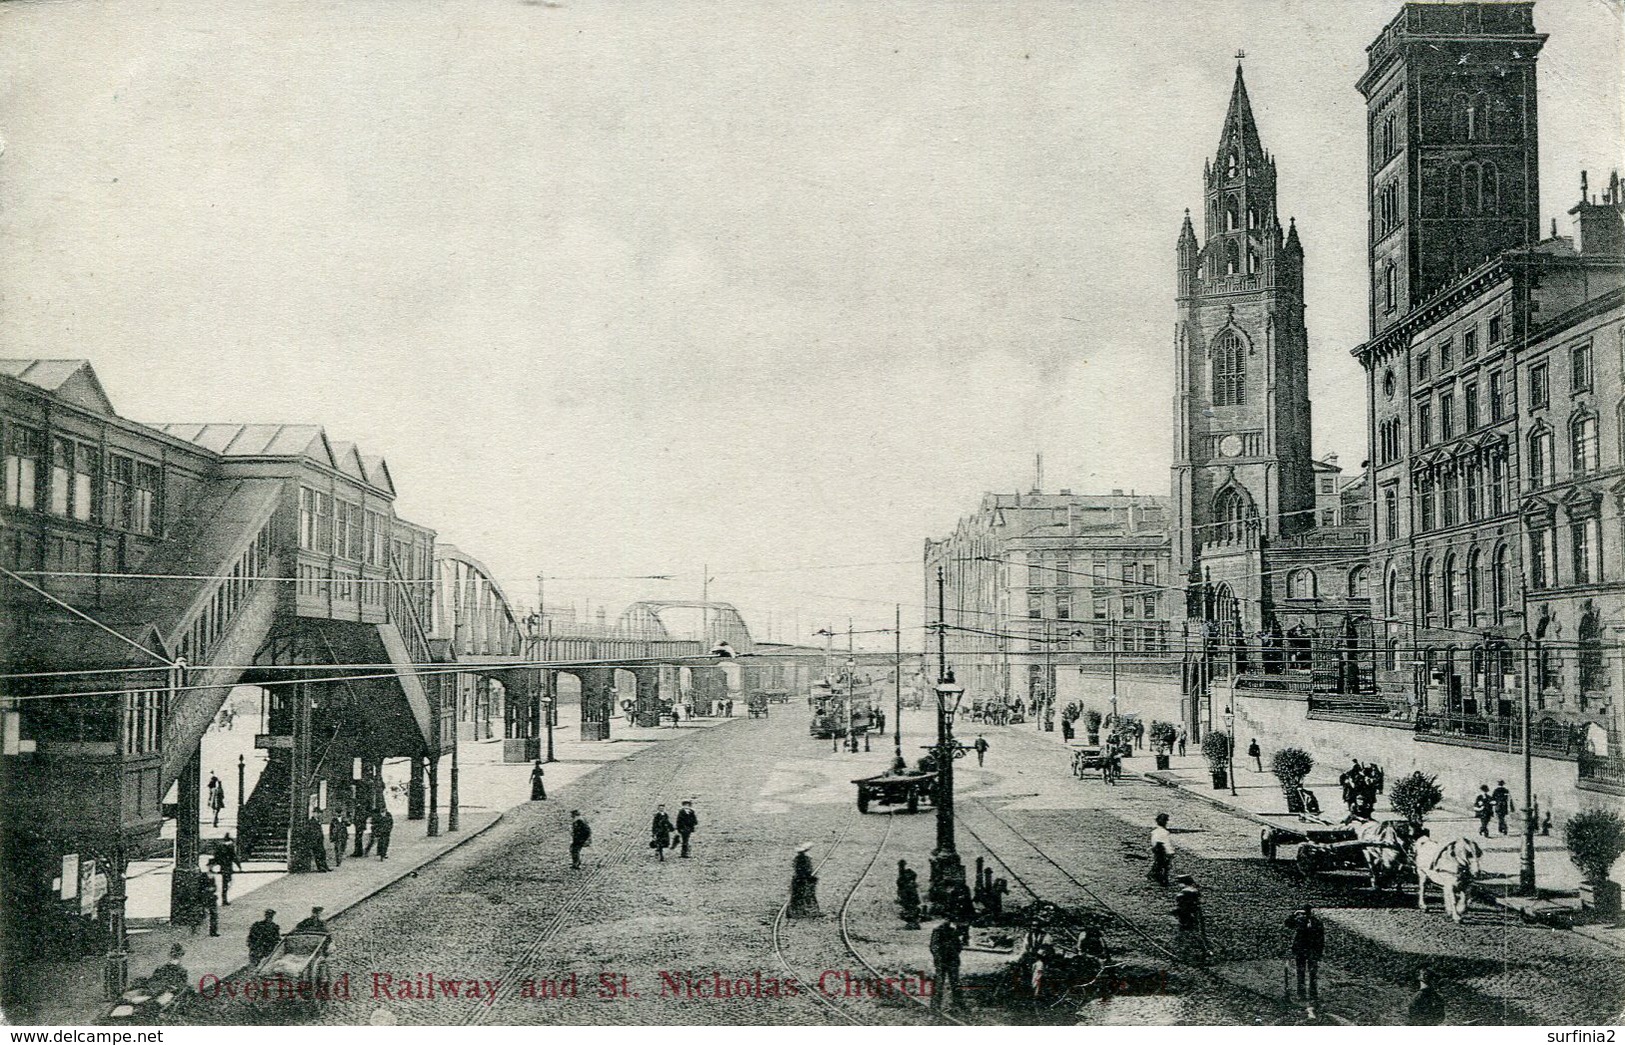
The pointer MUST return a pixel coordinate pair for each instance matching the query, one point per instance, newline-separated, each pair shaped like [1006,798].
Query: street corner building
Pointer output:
[1402,611]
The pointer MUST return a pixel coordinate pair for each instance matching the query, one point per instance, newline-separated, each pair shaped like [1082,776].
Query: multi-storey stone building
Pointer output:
[1038,585]
[1494,387]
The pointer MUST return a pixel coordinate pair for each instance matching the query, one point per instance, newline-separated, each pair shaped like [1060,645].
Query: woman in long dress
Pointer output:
[804,886]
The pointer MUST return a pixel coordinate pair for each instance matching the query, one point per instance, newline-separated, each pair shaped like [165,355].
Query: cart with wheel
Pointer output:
[904,789]
[301,960]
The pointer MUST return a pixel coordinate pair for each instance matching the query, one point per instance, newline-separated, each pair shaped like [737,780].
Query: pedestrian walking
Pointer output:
[225,854]
[217,797]
[383,824]
[1501,799]
[1308,944]
[1483,809]
[315,844]
[687,821]
[1255,753]
[946,945]
[803,885]
[361,825]
[1162,850]
[1427,1008]
[263,936]
[981,746]
[1182,739]
[1192,920]
[660,832]
[676,717]
[580,837]
[538,786]
[338,832]
[208,896]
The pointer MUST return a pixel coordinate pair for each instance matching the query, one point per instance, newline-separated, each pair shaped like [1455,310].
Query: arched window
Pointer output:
[1300,584]
[1252,260]
[1447,583]
[1427,590]
[1232,166]
[1499,578]
[1490,189]
[1229,370]
[1230,512]
[1388,290]
[1475,584]
[1472,198]
[1392,602]
[1359,583]
[1478,123]
[1232,219]
[1583,444]
[1590,653]
[1540,458]
[1232,258]
[1388,136]
[1252,216]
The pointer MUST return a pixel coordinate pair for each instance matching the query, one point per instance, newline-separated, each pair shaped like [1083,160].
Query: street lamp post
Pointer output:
[897,673]
[1526,864]
[947,870]
[1230,731]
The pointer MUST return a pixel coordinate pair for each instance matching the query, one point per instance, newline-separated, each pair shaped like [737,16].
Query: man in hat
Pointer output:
[946,945]
[383,824]
[225,854]
[804,885]
[686,823]
[580,837]
[314,924]
[1308,944]
[172,975]
[208,898]
[338,832]
[263,936]
[981,747]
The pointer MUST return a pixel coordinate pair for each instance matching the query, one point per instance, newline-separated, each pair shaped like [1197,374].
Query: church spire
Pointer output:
[1239,144]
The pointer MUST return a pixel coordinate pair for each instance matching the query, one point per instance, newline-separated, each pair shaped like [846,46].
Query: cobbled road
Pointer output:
[629,939]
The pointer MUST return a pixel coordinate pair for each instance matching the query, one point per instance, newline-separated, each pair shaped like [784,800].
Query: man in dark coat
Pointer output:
[660,832]
[981,747]
[686,823]
[263,937]
[338,832]
[1483,809]
[946,946]
[225,854]
[803,885]
[316,844]
[313,924]
[1256,754]
[208,897]
[908,894]
[382,825]
[580,837]
[1308,944]
[1501,799]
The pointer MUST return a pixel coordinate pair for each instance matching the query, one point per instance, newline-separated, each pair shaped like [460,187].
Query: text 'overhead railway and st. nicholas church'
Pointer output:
[1455,605]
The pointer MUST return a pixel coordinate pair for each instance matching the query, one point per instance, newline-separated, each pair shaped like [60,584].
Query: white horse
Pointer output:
[1385,855]
[1452,866]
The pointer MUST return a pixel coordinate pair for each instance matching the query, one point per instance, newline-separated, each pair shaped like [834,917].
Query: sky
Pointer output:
[762,292]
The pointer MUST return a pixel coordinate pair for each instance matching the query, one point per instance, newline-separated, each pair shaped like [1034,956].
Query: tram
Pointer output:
[828,706]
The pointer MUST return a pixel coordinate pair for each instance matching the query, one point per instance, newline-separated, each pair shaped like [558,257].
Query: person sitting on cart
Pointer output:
[172,975]
[263,936]
[314,924]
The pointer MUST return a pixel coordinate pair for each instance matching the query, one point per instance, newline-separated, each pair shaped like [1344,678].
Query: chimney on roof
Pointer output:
[1601,225]
[1038,474]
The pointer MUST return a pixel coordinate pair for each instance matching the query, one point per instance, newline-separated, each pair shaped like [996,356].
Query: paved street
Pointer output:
[629,939]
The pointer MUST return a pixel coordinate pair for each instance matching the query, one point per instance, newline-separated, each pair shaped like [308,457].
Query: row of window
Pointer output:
[1130,606]
[1469,348]
[1447,590]
[229,595]
[1132,638]
[334,526]
[1304,583]
[1473,415]
[1467,489]
[64,479]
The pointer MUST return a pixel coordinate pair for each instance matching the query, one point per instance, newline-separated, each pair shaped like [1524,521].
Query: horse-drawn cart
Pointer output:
[757,705]
[905,789]
[1092,759]
[1377,849]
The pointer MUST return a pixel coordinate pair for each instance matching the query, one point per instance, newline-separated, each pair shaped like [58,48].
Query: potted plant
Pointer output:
[1291,765]
[1595,839]
[1163,735]
[1415,796]
[1216,749]
[1091,724]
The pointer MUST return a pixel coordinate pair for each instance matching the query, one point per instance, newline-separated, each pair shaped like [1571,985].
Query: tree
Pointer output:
[1595,839]
[1091,722]
[1163,735]
[1415,796]
[1290,766]
[1216,749]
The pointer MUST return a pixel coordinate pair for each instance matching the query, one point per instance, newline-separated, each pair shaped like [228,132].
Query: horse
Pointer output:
[1453,866]
[1385,856]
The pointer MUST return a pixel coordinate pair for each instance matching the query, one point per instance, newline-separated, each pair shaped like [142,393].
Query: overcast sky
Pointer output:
[625,288]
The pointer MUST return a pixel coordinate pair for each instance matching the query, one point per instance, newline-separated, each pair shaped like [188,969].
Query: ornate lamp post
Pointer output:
[947,870]
[1230,731]
[1526,864]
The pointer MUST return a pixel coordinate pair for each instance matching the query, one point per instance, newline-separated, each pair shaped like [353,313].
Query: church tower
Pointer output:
[1241,392]
[1452,135]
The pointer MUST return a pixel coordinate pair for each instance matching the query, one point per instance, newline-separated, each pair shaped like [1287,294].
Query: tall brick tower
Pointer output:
[1453,171]
[1241,461]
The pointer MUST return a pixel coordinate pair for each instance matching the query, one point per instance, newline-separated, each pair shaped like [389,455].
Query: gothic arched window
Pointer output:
[1391,604]
[1388,291]
[1499,577]
[1300,584]
[1475,584]
[1590,636]
[1230,514]
[1472,196]
[1229,370]
[1232,214]
[1489,189]
[1252,260]
[1447,579]
[1427,589]
[1359,584]
[1232,166]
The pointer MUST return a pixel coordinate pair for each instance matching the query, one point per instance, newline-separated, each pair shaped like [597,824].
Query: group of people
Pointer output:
[1188,902]
[1361,785]
[664,834]
[1496,804]
[312,839]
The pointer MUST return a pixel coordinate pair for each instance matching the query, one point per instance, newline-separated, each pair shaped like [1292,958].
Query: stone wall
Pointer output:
[1282,720]
[1150,698]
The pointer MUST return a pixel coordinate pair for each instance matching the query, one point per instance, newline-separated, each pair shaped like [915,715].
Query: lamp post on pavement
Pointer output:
[1526,864]
[947,871]
[1230,732]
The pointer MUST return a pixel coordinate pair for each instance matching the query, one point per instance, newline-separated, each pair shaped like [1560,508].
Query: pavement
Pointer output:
[71,992]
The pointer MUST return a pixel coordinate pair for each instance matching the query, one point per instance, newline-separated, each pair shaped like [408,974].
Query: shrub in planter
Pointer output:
[1291,765]
[1595,839]
[1415,796]
[1216,749]
[1091,722]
